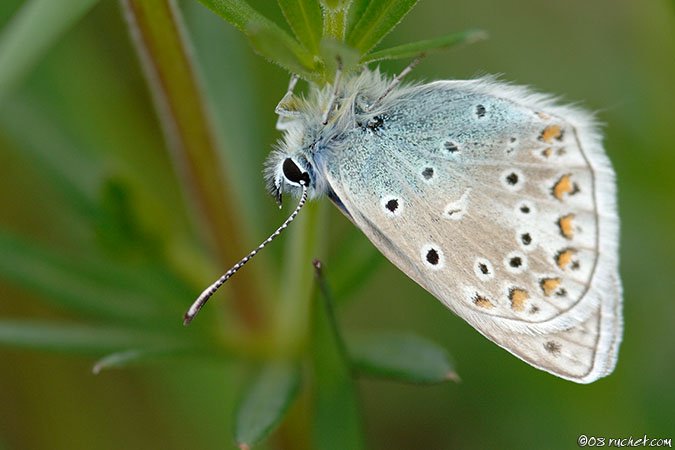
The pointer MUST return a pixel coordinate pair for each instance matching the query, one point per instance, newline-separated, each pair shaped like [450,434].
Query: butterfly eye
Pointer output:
[293,173]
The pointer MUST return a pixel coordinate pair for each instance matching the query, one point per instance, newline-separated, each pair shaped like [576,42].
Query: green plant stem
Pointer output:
[337,420]
[334,23]
[305,240]
[163,49]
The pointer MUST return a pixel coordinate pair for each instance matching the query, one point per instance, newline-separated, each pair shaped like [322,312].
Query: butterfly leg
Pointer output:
[397,79]
[333,96]
[285,108]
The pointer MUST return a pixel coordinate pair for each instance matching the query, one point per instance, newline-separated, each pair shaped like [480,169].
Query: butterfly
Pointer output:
[497,201]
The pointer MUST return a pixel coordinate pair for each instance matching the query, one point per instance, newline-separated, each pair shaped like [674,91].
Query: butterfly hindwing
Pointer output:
[500,204]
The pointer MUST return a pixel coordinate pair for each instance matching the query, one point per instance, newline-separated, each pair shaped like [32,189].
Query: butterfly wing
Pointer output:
[502,205]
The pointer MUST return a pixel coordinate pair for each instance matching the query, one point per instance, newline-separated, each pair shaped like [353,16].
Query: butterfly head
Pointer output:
[288,173]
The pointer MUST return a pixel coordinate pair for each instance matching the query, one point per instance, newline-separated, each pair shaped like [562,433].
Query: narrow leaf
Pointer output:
[265,403]
[85,287]
[76,338]
[248,20]
[358,274]
[337,424]
[356,10]
[379,18]
[304,17]
[237,12]
[400,356]
[139,356]
[268,43]
[416,48]
[353,265]
[30,33]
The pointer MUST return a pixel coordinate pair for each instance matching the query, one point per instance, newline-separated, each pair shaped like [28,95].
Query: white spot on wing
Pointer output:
[456,210]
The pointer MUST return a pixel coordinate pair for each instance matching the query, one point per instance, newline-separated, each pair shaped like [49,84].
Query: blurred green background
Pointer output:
[87,182]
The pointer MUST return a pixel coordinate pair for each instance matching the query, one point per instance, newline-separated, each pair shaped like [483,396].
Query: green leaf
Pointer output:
[305,19]
[76,338]
[337,424]
[378,19]
[353,265]
[127,358]
[356,10]
[265,403]
[416,48]
[269,43]
[81,286]
[30,33]
[267,38]
[358,274]
[237,12]
[400,356]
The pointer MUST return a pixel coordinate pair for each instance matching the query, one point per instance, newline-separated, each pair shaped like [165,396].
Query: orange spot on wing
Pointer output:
[566,224]
[564,258]
[549,285]
[546,153]
[518,297]
[551,132]
[482,302]
[563,186]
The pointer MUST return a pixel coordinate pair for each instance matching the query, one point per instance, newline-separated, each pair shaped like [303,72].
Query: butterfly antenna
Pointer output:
[333,95]
[209,291]
[397,79]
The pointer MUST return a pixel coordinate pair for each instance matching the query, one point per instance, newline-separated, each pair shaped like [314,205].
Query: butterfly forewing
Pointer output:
[501,205]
